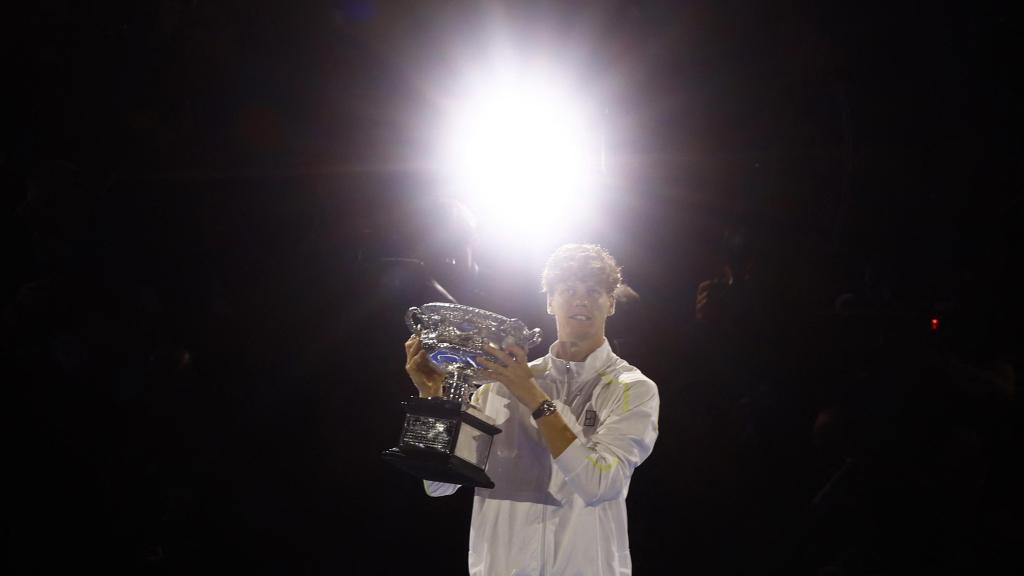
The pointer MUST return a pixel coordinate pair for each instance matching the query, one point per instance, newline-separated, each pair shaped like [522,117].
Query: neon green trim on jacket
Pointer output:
[603,467]
[606,379]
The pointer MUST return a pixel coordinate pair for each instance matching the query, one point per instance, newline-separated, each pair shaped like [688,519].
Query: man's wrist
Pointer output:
[431,392]
[531,396]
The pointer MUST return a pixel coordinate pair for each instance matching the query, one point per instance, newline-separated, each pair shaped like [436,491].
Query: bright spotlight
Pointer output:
[518,144]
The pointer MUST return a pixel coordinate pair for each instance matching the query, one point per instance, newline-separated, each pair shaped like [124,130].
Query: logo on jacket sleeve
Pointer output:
[589,418]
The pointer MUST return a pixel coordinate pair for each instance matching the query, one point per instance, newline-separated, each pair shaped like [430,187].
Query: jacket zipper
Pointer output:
[543,536]
[568,386]
[544,509]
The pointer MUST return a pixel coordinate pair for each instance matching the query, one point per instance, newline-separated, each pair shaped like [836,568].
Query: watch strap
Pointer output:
[546,407]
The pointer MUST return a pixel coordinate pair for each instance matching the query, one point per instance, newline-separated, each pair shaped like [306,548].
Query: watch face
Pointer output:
[546,407]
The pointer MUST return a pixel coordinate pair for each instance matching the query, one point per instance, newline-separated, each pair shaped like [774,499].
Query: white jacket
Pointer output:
[564,516]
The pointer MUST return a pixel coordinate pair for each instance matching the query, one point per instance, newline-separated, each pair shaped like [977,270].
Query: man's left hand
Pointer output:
[512,370]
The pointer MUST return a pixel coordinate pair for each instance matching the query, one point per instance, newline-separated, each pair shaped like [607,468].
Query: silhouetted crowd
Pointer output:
[878,437]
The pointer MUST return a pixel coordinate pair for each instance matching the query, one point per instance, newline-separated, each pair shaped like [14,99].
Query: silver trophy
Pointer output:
[447,438]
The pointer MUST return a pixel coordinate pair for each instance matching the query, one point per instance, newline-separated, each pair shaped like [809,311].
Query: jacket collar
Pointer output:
[582,371]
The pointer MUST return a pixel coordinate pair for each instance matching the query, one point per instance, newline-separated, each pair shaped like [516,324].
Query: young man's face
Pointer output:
[580,310]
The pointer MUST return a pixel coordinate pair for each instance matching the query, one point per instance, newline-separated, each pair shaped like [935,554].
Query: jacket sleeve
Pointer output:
[598,470]
[439,488]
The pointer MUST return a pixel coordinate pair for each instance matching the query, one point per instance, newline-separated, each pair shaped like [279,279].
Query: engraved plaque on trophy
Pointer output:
[446,438]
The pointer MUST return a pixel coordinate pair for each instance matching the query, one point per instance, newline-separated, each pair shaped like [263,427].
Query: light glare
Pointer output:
[519,145]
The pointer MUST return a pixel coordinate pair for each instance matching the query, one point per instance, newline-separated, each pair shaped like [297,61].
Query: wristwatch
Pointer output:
[546,407]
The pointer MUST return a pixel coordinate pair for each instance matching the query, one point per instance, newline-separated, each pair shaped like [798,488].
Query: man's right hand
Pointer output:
[424,375]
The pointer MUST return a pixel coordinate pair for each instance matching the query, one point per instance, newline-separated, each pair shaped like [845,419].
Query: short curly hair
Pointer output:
[583,263]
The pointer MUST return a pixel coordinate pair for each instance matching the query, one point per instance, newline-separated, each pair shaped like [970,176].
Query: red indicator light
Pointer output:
[935,324]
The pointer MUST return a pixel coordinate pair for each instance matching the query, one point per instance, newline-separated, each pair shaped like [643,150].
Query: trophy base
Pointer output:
[450,469]
[443,443]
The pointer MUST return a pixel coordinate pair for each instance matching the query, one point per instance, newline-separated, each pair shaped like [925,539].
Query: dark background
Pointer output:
[216,214]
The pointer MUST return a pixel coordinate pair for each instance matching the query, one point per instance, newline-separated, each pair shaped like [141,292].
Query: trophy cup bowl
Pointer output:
[446,438]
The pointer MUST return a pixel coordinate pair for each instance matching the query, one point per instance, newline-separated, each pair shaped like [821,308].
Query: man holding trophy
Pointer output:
[574,425]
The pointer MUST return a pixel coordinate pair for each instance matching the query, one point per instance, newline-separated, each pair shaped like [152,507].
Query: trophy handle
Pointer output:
[534,336]
[413,320]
